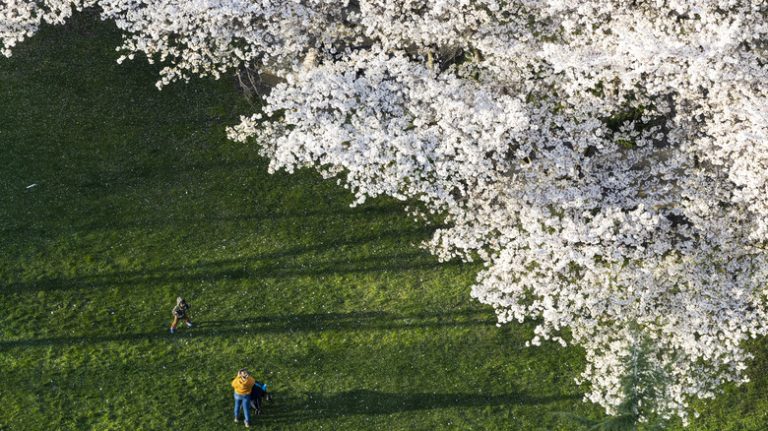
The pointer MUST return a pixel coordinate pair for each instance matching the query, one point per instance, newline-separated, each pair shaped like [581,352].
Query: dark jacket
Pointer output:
[180,310]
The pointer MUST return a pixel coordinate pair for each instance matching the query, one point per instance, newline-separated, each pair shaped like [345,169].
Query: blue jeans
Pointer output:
[242,400]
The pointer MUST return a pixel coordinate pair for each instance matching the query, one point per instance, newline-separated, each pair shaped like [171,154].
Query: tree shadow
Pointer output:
[315,405]
[277,264]
[259,325]
[254,217]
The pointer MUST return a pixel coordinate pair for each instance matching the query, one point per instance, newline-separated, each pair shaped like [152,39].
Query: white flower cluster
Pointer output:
[607,160]
[20,19]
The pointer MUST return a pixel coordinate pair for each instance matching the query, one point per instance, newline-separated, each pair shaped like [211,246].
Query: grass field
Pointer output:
[139,198]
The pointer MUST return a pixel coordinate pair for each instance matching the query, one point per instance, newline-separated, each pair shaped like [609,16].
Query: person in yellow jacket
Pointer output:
[243,384]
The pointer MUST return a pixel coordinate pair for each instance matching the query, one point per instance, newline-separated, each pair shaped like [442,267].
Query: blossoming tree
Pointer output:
[605,160]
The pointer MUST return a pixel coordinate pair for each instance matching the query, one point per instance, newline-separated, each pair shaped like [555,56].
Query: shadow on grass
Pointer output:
[354,321]
[277,264]
[211,219]
[312,406]
[255,217]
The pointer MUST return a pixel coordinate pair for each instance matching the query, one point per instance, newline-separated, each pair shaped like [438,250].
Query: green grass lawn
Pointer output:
[139,198]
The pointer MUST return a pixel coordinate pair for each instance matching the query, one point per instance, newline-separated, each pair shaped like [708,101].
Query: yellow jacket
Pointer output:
[243,387]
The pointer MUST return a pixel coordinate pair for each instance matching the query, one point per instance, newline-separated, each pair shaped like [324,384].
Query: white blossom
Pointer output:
[605,160]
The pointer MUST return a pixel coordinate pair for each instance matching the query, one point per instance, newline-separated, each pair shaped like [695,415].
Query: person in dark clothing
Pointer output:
[180,312]
[258,394]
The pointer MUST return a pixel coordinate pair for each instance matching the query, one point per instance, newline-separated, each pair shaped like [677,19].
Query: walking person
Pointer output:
[180,312]
[243,384]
